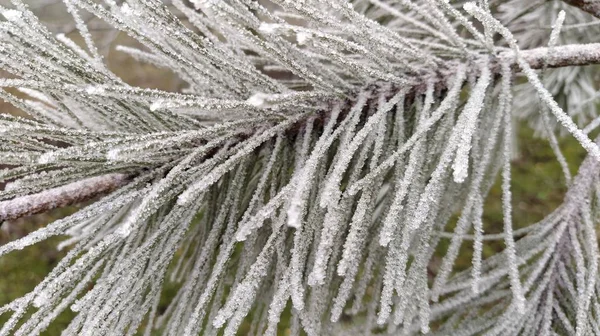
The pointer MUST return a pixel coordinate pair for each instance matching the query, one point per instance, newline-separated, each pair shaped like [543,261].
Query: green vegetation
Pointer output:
[22,270]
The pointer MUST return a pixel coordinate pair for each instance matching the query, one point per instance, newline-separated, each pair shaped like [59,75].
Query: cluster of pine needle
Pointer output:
[320,154]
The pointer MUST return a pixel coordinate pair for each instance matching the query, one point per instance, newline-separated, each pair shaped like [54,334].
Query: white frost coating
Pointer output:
[59,196]
[113,154]
[299,199]
[592,248]
[127,10]
[442,109]
[124,230]
[360,222]
[246,290]
[268,28]
[41,299]
[47,157]
[257,99]
[303,37]
[157,105]
[477,245]
[262,183]
[226,235]
[295,214]
[533,78]
[366,207]
[277,305]
[335,221]
[263,214]
[332,190]
[201,185]
[38,95]
[515,282]
[198,4]
[472,207]
[468,122]
[556,29]
[59,226]
[550,132]
[393,215]
[95,90]
[12,15]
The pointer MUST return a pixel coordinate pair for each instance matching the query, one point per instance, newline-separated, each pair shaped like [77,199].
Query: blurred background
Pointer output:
[538,185]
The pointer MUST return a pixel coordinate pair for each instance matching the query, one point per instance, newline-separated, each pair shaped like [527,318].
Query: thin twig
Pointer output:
[561,56]
[69,194]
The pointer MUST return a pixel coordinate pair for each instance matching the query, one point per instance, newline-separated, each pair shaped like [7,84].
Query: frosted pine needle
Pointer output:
[510,251]
[469,118]
[317,167]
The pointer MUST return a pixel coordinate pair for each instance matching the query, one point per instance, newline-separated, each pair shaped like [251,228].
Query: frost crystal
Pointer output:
[12,15]
[469,119]
[257,99]
[268,28]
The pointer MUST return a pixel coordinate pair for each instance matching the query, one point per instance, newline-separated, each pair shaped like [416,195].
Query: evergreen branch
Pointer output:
[62,196]
[327,187]
[562,56]
[591,7]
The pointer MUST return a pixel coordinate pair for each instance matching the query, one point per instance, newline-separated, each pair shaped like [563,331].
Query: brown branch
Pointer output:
[589,6]
[69,194]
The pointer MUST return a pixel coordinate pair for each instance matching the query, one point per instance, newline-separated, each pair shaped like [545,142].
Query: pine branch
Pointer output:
[592,7]
[62,196]
[322,168]
[562,56]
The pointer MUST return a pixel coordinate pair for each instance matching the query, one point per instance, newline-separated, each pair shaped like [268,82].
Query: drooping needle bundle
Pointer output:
[320,170]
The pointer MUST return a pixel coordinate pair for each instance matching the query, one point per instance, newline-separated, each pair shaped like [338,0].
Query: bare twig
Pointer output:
[561,56]
[69,194]
[538,58]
